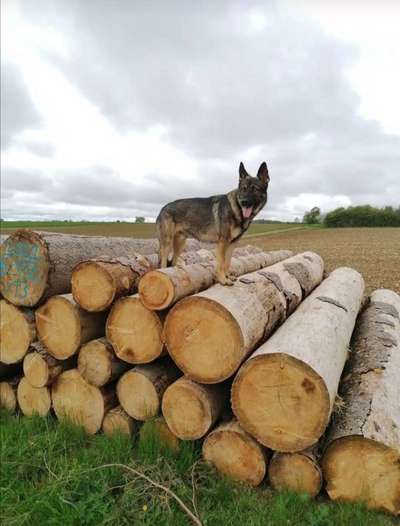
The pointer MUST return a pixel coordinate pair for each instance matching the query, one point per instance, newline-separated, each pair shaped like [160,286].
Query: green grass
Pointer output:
[52,474]
[131,229]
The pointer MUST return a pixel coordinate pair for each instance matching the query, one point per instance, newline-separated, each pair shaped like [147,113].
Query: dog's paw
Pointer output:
[226,281]
[232,277]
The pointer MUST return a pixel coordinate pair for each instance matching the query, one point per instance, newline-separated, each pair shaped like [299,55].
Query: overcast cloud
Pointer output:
[115,108]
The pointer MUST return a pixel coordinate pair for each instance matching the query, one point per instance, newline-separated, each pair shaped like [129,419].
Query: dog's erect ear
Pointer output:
[263,173]
[242,172]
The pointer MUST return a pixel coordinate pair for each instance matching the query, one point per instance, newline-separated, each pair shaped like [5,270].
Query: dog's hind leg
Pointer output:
[179,243]
[165,233]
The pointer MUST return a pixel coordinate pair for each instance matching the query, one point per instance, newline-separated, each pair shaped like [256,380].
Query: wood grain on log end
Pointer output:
[204,339]
[33,400]
[158,431]
[236,454]
[118,421]
[134,331]
[8,394]
[98,363]
[295,472]
[17,332]
[360,469]
[156,290]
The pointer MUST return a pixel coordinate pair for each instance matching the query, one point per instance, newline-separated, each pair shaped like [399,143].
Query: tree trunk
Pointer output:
[8,393]
[191,409]
[156,432]
[161,288]
[41,369]
[98,363]
[209,334]
[17,332]
[97,283]
[283,395]
[117,421]
[236,454]
[33,400]
[362,457]
[39,265]
[80,402]
[299,472]
[135,332]
[63,326]
[140,389]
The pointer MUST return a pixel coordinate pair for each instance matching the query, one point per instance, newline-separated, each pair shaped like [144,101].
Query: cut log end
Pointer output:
[17,332]
[204,340]
[8,396]
[235,454]
[187,410]
[33,400]
[295,472]
[356,468]
[78,401]
[158,431]
[25,259]
[92,286]
[118,421]
[95,363]
[36,370]
[134,331]
[281,401]
[138,396]
[59,327]
[156,290]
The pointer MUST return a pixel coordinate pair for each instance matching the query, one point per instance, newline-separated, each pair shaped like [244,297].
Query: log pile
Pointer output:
[253,370]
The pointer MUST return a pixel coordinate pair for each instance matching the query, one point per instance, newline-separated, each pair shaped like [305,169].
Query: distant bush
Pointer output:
[365,215]
[313,217]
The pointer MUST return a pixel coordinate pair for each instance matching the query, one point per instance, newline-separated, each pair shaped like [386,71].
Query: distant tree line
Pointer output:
[355,216]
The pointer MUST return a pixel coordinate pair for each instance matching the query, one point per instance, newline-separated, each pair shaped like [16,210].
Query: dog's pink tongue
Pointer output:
[247,211]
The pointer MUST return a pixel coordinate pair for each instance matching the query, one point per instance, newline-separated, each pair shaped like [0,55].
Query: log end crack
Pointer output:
[325,299]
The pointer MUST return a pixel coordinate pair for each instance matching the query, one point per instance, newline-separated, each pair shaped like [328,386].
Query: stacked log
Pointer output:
[17,332]
[362,456]
[63,326]
[98,363]
[157,432]
[140,390]
[97,283]
[37,265]
[40,368]
[80,402]
[8,393]
[33,400]
[284,393]
[191,409]
[209,334]
[161,288]
[236,454]
[299,472]
[135,332]
[117,420]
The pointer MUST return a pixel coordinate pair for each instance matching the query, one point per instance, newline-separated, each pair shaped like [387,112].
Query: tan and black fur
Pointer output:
[222,219]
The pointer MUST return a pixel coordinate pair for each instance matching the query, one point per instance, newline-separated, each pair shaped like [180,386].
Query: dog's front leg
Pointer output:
[228,257]
[222,278]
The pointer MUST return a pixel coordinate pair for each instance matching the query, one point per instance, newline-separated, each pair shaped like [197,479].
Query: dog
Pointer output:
[222,219]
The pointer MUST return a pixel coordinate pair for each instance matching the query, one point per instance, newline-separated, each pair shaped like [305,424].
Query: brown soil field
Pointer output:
[375,252]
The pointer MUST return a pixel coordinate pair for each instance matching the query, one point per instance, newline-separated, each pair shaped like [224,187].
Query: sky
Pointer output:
[112,108]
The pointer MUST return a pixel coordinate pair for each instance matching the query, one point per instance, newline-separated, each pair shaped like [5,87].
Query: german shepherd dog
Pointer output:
[222,219]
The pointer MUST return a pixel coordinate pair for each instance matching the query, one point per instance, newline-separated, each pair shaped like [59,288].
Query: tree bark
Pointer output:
[209,334]
[299,472]
[191,409]
[117,421]
[41,369]
[63,326]
[39,265]
[98,363]
[17,332]
[141,389]
[284,393]
[33,400]
[97,283]
[362,456]
[236,454]
[135,332]
[80,402]
[161,288]
[8,393]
